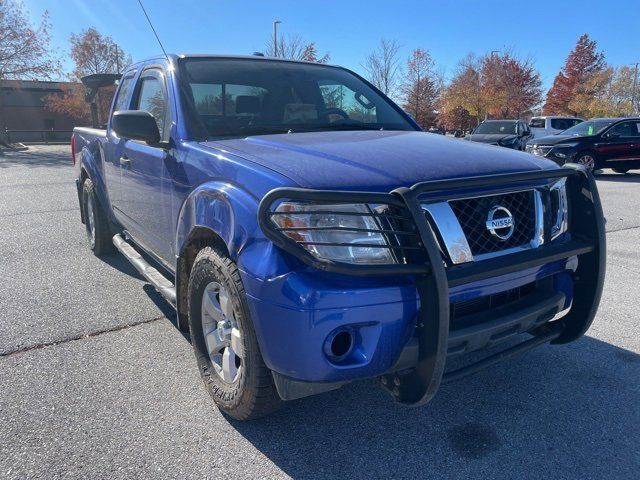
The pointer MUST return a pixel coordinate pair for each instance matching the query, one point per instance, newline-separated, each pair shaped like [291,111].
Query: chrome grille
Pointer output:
[472,215]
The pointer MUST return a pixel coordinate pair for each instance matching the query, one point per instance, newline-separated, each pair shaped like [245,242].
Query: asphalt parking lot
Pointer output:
[96,382]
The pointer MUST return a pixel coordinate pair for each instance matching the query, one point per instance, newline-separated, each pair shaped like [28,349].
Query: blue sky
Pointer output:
[541,29]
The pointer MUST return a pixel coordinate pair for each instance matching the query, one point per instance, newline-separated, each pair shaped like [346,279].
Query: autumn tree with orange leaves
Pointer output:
[511,86]
[576,79]
[497,86]
[92,53]
[462,104]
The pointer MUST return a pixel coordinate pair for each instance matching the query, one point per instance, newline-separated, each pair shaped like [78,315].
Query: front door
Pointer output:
[145,191]
[114,145]
[621,143]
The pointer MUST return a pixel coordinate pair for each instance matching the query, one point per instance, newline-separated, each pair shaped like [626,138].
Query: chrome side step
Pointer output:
[153,276]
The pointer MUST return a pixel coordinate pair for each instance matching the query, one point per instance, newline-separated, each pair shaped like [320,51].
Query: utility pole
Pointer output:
[275,37]
[117,59]
[634,103]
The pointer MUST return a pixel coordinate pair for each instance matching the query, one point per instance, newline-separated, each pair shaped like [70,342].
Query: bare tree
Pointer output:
[294,47]
[421,88]
[25,51]
[383,66]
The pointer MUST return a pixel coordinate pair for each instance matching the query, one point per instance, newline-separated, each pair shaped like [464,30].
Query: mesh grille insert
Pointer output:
[472,214]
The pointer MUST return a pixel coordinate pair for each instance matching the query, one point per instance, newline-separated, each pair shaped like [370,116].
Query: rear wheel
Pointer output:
[587,160]
[95,221]
[620,170]
[224,341]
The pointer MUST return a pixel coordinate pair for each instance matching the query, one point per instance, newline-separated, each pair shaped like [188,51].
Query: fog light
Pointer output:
[339,344]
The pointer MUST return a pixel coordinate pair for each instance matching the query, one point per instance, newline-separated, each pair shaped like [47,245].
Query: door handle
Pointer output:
[125,161]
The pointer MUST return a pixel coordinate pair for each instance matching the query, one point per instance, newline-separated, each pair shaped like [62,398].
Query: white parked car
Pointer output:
[543,126]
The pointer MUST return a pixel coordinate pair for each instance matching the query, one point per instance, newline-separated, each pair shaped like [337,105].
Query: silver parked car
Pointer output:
[544,126]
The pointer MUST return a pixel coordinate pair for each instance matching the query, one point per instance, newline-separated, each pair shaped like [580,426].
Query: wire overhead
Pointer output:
[153,30]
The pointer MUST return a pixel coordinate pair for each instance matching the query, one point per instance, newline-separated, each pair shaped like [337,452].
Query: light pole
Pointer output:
[275,37]
[634,104]
[117,59]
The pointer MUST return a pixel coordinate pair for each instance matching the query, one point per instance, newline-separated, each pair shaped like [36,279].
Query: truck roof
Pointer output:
[174,56]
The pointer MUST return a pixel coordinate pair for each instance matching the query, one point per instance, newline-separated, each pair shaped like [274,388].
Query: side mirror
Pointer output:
[136,125]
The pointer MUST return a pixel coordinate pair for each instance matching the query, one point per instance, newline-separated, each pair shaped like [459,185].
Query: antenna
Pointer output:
[154,31]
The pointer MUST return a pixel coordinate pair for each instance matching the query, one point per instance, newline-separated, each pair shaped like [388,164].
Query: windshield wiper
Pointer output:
[344,126]
[254,130]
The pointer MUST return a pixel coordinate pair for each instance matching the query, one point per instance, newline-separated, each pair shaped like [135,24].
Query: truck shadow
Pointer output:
[121,264]
[618,178]
[33,158]
[562,409]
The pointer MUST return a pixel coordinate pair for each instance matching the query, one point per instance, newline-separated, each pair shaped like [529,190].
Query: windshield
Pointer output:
[239,97]
[506,128]
[592,127]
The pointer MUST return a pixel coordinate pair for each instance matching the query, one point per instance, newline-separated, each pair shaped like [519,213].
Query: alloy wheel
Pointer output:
[91,222]
[587,161]
[221,333]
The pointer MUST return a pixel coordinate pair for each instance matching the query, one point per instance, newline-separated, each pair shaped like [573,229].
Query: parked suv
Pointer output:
[544,126]
[598,143]
[504,133]
[309,234]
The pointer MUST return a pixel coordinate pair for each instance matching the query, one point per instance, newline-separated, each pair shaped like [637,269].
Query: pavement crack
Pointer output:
[623,229]
[84,336]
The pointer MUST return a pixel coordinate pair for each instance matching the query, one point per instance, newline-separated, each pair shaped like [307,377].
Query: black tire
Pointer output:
[620,170]
[252,393]
[95,218]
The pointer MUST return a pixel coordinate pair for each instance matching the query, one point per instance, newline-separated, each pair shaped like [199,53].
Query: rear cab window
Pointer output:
[537,123]
[561,123]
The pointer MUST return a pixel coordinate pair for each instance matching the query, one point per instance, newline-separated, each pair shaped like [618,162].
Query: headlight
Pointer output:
[539,150]
[559,207]
[347,233]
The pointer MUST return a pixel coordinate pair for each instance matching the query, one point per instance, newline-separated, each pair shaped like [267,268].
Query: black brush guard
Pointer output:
[419,250]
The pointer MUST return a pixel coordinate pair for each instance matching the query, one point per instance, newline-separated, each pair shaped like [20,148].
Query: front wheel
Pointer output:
[224,341]
[587,160]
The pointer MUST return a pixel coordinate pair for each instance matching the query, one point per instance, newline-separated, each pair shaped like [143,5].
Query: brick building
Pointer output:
[23,112]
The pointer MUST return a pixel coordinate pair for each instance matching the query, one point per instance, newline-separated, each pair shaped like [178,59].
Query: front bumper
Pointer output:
[408,342]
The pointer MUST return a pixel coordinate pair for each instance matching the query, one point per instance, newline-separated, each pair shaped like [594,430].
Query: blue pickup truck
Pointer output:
[309,234]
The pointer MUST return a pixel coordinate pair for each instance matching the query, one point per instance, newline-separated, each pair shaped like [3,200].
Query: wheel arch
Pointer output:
[591,151]
[217,215]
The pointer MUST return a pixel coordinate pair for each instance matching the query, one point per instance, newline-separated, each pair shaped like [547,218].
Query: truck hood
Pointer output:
[489,137]
[555,139]
[375,160]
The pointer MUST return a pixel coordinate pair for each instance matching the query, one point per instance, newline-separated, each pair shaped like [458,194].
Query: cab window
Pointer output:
[625,130]
[124,93]
[152,98]
[537,123]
